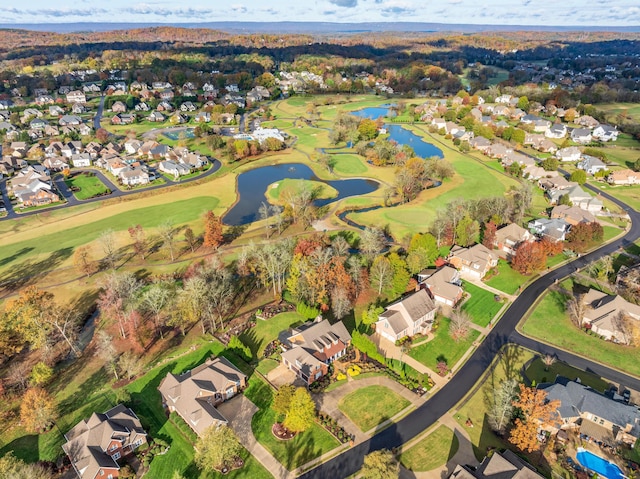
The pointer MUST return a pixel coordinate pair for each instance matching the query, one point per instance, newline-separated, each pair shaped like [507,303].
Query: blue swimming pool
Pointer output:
[597,464]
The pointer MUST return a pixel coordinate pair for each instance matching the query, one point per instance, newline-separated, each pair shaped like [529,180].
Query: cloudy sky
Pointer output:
[503,12]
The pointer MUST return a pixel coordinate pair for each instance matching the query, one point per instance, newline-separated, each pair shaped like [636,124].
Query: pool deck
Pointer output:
[602,466]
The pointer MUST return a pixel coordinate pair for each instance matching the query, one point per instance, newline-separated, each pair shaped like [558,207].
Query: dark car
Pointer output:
[626,396]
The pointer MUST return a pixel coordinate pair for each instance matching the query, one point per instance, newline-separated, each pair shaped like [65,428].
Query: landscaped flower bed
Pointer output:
[282,432]
[271,310]
[334,428]
[238,463]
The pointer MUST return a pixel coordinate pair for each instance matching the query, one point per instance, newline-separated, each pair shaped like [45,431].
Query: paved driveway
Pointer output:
[281,375]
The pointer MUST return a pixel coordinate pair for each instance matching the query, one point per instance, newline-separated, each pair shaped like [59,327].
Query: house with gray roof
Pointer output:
[499,465]
[195,394]
[610,316]
[605,133]
[555,229]
[591,164]
[444,285]
[581,135]
[592,414]
[557,131]
[572,214]
[311,347]
[474,262]
[409,316]
[95,444]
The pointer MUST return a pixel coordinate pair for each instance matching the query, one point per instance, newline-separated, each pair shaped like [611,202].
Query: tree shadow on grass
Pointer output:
[29,271]
[14,256]
[301,450]
[24,447]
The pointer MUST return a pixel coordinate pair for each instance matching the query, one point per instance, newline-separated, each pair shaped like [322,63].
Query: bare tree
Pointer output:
[340,303]
[372,242]
[340,247]
[116,298]
[156,299]
[501,405]
[576,309]
[18,375]
[271,263]
[381,274]
[623,326]
[264,212]
[278,217]
[548,360]
[168,233]
[107,352]
[129,364]
[108,243]
[460,323]
[64,320]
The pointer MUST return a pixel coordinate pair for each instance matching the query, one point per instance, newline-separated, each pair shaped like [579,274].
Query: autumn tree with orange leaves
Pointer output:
[534,411]
[212,230]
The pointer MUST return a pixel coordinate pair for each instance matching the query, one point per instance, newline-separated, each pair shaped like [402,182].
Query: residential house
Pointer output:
[167,94]
[581,135]
[142,106]
[533,139]
[84,129]
[439,123]
[498,150]
[499,465]
[584,200]
[592,414]
[55,110]
[591,164]
[118,107]
[32,187]
[557,131]
[555,229]
[76,96]
[55,163]
[412,315]
[604,315]
[501,110]
[173,168]
[624,177]
[541,125]
[547,146]
[444,284]
[156,116]
[160,85]
[78,109]
[587,121]
[164,106]
[474,262]
[81,160]
[535,172]
[480,143]
[570,153]
[555,182]
[504,99]
[133,176]
[195,394]
[95,444]
[509,237]
[19,149]
[605,133]
[515,157]
[123,119]
[178,118]
[572,214]
[202,117]
[310,348]
[188,106]
[67,120]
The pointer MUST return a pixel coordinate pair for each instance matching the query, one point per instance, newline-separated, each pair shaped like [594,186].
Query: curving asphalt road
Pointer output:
[464,380]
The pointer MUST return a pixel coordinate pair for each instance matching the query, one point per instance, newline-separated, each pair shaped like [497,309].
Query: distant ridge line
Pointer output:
[315,27]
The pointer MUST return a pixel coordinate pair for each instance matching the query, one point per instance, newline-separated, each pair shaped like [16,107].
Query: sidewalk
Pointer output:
[390,350]
[464,454]
[240,410]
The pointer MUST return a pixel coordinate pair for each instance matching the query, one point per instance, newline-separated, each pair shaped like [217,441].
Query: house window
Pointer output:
[601,421]
[110,476]
[116,456]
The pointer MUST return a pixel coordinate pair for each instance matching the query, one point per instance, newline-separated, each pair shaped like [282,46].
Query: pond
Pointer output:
[253,184]
[401,135]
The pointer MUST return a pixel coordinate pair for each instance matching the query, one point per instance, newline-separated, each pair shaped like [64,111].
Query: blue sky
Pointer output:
[499,12]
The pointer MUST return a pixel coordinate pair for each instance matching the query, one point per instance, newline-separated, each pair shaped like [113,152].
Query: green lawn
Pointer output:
[348,164]
[278,191]
[303,448]
[481,306]
[267,365]
[507,279]
[433,451]
[540,373]
[371,406]
[442,345]
[60,245]
[473,180]
[148,407]
[266,331]
[550,323]
[628,194]
[89,186]
[476,407]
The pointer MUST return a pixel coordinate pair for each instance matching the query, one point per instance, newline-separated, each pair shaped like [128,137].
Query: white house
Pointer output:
[410,316]
[605,133]
[591,164]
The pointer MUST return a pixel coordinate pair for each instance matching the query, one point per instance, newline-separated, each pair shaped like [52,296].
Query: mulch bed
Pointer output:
[238,463]
[281,432]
